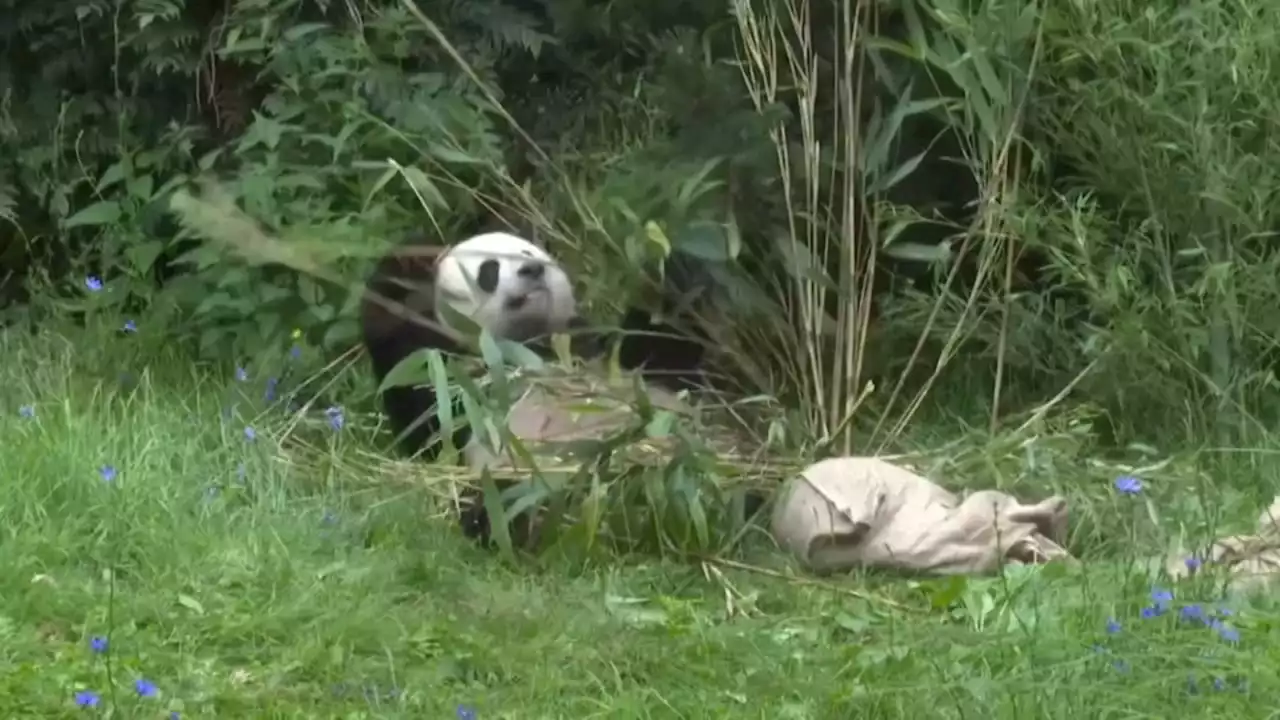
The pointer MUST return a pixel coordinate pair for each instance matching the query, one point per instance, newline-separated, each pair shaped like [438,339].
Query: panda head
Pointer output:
[506,285]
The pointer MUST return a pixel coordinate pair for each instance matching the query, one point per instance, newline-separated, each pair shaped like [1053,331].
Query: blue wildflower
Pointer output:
[1160,602]
[93,282]
[1121,666]
[27,411]
[130,326]
[1128,484]
[1219,684]
[108,473]
[175,715]
[270,394]
[336,420]
[1228,634]
[1192,612]
[242,374]
[295,352]
[87,699]
[466,712]
[1192,563]
[250,434]
[1113,627]
[241,472]
[98,644]
[145,688]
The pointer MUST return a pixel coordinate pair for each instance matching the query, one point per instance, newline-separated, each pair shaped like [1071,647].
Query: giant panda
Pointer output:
[515,290]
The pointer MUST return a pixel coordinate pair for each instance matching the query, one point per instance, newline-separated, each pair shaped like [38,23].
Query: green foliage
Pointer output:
[1166,122]
[328,113]
[808,158]
[802,153]
[249,578]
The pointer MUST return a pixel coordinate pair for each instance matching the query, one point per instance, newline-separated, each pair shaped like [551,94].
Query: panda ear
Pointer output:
[415,263]
[420,252]
[420,260]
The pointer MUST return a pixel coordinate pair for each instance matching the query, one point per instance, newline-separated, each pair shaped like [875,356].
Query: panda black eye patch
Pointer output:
[487,278]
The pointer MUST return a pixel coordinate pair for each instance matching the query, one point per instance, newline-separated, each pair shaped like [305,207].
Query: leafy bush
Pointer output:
[917,210]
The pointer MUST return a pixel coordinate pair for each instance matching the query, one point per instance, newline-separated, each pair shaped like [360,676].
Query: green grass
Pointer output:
[294,591]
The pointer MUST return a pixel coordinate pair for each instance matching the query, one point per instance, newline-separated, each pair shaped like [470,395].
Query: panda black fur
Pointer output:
[517,292]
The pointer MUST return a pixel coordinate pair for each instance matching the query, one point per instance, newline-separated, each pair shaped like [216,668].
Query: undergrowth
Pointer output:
[160,558]
[219,532]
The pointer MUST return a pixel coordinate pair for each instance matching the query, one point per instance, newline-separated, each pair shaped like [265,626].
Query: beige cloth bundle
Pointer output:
[849,512]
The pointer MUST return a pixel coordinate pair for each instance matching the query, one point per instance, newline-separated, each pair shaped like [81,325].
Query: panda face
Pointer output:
[507,286]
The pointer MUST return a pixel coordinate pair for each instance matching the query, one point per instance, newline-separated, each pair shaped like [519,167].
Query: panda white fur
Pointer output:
[516,291]
[505,285]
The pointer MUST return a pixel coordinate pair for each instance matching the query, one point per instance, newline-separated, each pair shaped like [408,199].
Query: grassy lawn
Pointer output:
[147,537]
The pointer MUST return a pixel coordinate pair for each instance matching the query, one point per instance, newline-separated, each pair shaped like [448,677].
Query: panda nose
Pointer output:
[532,270]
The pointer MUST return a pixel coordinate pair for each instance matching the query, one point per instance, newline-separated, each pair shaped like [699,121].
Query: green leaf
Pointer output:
[263,131]
[493,359]
[378,185]
[103,212]
[208,159]
[113,175]
[191,604]
[653,231]
[498,531]
[308,290]
[696,185]
[948,592]
[705,240]
[301,30]
[885,134]
[660,425]
[142,187]
[698,515]
[473,414]
[408,372]
[422,185]
[520,355]
[450,155]
[444,399]
[852,623]
[142,255]
[324,312]
[341,333]
[528,497]
[268,324]
[489,350]
[734,236]
[883,184]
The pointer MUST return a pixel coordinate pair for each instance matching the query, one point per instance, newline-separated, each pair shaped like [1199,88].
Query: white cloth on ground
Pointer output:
[848,512]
